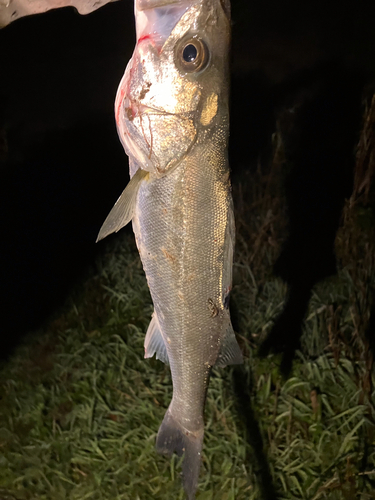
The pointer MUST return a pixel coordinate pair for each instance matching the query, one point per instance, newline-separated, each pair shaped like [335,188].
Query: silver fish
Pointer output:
[172,118]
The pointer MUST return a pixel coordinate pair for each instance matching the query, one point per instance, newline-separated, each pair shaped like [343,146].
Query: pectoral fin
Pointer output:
[230,352]
[154,342]
[123,209]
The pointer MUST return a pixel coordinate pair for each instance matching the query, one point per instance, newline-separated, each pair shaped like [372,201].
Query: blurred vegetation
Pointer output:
[80,407]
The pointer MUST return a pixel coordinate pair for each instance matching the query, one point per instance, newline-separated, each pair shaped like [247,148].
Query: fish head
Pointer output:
[175,88]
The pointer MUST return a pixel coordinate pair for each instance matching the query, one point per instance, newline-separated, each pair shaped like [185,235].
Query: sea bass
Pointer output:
[172,118]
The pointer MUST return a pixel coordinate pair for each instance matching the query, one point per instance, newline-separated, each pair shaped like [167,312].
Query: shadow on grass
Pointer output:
[285,336]
[242,389]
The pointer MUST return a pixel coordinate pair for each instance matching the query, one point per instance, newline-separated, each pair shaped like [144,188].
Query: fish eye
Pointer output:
[192,55]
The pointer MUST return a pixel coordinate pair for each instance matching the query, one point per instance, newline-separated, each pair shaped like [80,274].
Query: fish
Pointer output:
[172,118]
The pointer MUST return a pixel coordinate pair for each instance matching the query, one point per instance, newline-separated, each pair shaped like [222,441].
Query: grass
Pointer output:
[80,407]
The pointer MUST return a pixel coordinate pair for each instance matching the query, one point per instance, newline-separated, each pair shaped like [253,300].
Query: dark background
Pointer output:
[62,166]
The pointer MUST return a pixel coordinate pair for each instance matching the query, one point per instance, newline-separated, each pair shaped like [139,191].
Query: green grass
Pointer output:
[80,407]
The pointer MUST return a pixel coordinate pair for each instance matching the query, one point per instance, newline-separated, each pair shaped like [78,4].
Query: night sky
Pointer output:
[64,166]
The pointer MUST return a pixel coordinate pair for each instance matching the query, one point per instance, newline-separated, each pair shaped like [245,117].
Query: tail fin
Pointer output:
[173,437]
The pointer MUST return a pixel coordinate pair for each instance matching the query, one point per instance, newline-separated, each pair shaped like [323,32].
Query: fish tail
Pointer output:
[174,438]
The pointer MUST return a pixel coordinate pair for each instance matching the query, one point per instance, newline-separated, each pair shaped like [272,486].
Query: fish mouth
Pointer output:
[154,138]
[159,17]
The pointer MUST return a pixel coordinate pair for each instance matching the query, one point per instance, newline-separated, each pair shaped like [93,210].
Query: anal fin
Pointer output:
[154,342]
[123,210]
[230,352]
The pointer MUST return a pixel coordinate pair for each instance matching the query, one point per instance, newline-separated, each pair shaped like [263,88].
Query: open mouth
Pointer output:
[159,16]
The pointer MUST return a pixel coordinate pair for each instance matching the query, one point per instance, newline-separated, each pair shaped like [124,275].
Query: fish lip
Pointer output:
[133,150]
